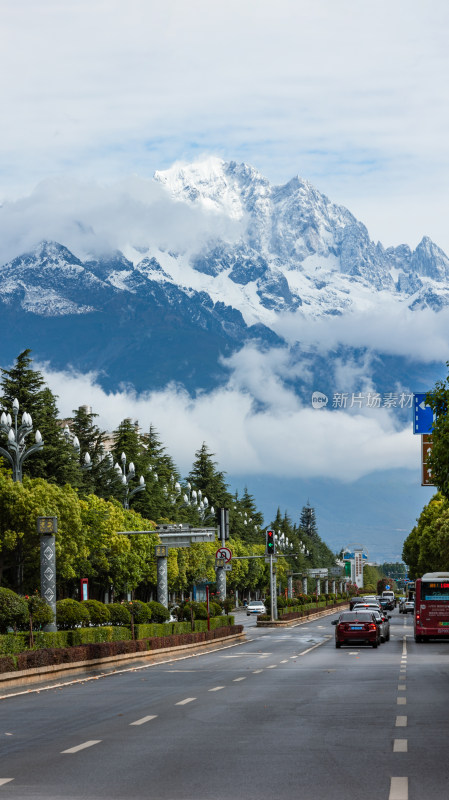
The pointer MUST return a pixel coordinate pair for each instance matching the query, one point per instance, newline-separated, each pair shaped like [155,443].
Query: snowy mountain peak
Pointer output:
[214,184]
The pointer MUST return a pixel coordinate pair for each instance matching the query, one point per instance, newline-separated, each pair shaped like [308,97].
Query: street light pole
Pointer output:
[17,450]
[127,477]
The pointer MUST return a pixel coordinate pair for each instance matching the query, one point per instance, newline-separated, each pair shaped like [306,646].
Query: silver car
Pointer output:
[255,607]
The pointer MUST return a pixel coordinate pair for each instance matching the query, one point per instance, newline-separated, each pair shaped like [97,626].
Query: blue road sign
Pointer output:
[422,414]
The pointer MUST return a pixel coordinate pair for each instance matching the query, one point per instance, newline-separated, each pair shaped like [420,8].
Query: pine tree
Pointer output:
[205,476]
[101,479]
[56,462]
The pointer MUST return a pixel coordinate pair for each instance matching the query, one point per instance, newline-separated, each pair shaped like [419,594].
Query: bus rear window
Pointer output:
[435,591]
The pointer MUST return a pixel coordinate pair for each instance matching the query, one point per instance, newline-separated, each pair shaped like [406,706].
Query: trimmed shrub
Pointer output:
[70,614]
[199,611]
[215,609]
[40,611]
[13,610]
[140,612]
[158,612]
[98,612]
[7,664]
[119,614]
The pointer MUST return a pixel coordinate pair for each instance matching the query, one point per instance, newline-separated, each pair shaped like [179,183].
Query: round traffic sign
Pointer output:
[224,552]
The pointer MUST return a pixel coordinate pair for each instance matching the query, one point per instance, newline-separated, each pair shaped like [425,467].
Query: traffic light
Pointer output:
[270,543]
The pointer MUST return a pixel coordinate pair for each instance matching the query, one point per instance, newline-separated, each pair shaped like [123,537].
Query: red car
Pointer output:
[356,627]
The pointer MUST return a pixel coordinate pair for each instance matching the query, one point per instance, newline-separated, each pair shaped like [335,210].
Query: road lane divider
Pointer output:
[216,689]
[82,746]
[401,701]
[5,780]
[184,702]
[144,719]
[401,722]
[398,789]
[236,680]
[309,650]
[400,746]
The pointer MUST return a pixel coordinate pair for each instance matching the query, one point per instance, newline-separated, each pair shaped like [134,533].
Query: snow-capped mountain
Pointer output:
[173,310]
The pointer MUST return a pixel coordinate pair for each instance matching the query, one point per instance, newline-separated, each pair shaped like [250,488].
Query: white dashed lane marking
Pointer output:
[238,679]
[401,701]
[82,746]
[398,789]
[401,722]
[187,700]
[5,780]
[144,719]
[216,689]
[400,746]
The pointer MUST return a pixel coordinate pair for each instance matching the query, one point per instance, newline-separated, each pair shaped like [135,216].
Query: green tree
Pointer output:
[56,462]
[101,479]
[426,549]
[438,460]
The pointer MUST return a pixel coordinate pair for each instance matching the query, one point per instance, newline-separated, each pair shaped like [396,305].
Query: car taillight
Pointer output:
[372,626]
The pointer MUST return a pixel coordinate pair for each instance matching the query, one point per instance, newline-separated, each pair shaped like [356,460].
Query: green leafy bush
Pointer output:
[199,610]
[98,612]
[119,614]
[39,610]
[13,610]
[158,612]
[215,609]
[70,614]
[140,612]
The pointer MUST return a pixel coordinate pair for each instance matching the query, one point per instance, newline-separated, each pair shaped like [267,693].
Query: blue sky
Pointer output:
[351,95]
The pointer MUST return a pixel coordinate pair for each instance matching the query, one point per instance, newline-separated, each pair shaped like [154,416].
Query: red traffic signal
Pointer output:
[270,544]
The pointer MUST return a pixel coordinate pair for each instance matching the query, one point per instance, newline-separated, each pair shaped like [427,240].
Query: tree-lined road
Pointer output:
[283,715]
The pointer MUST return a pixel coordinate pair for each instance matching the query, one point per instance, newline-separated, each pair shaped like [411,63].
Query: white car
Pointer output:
[255,607]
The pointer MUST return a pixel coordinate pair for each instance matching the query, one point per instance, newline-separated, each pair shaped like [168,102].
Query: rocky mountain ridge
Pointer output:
[297,253]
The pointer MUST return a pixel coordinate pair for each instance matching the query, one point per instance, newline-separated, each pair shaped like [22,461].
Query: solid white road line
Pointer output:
[187,700]
[5,780]
[82,746]
[144,719]
[401,722]
[304,652]
[235,680]
[400,746]
[216,689]
[398,789]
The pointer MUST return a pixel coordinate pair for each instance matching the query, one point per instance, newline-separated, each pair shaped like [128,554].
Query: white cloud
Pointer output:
[352,95]
[280,438]
[385,327]
[93,218]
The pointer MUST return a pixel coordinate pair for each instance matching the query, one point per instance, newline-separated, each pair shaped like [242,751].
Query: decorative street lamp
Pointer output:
[127,477]
[73,439]
[17,450]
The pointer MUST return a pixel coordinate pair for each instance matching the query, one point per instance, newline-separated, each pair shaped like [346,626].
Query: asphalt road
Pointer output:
[283,715]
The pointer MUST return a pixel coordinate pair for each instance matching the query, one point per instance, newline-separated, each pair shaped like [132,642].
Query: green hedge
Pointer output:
[51,656]
[14,643]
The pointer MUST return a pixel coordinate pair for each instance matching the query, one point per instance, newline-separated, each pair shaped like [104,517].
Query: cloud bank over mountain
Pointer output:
[254,425]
